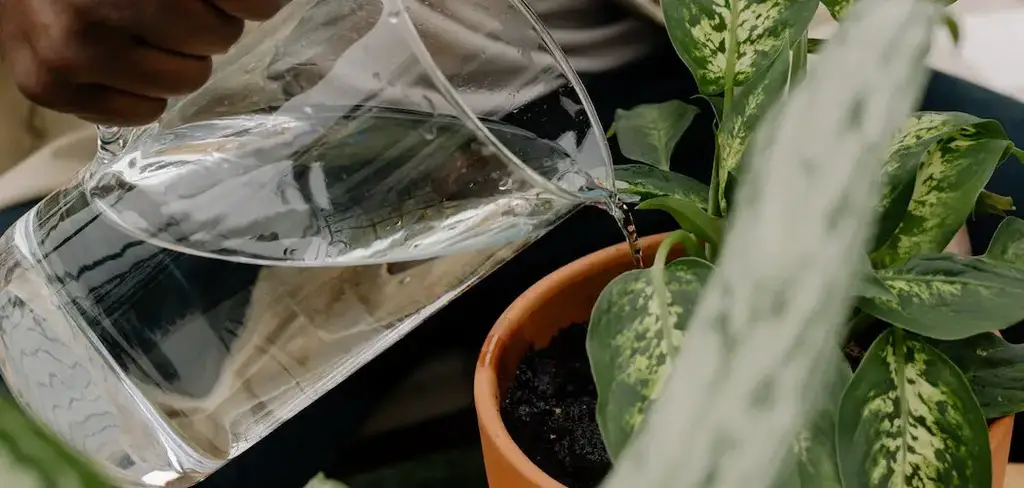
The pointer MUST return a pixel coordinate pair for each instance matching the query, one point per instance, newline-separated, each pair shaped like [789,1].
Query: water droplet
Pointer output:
[527,55]
[625,221]
[430,105]
[505,184]
[614,206]
[571,106]
[394,15]
[308,110]
[429,132]
[629,198]
[404,280]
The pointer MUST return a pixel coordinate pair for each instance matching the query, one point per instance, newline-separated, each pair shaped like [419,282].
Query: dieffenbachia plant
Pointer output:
[929,371]
[321,481]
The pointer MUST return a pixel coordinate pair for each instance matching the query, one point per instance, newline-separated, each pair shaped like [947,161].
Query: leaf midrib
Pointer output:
[731,52]
[904,403]
[945,279]
[660,141]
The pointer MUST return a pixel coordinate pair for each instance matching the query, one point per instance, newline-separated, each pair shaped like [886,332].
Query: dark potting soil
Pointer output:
[549,411]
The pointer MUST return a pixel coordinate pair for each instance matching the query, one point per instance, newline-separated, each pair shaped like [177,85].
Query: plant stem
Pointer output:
[677,237]
[714,206]
[661,295]
[798,61]
[714,195]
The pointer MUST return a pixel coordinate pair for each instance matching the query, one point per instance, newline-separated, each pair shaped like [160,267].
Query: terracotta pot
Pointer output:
[563,298]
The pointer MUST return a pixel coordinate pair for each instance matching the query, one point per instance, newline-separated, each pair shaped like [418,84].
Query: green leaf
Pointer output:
[814,449]
[794,225]
[797,61]
[717,104]
[725,43]
[991,203]
[648,133]
[838,8]
[993,367]
[909,419]
[646,182]
[739,122]
[635,328]
[31,456]
[952,27]
[899,172]
[872,286]
[690,217]
[949,297]
[1007,245]
[960,153]
[322,481]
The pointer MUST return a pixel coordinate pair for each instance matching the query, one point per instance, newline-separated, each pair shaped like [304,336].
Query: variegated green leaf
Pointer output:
[814,449]
[950,297]
[1007,245]
[991,203]
[30,457]
[872,286]
[815,45]
[993,367]
[951,174]
[649,133]
[952,27]
[640,182]
[690,217]
[635,328]
[838,9]
[899,172]
[717,104]
[740,119]
[795,232]
[909,419]
[322,481]
[725,43]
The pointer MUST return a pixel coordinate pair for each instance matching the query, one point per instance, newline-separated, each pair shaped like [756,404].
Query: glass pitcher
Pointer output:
[350,168]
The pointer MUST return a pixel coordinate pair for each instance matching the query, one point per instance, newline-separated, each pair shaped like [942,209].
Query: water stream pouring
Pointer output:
[350,168]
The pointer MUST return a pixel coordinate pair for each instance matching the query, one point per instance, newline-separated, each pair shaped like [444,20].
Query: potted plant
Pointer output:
[923,393]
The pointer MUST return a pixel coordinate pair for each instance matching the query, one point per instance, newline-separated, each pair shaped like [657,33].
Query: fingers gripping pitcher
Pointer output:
[348,170]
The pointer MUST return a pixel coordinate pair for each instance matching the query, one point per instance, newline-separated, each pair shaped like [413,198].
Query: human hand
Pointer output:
[116,62]
[961,243]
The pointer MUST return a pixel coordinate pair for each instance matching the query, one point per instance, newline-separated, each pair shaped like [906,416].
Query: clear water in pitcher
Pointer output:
[194,300]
